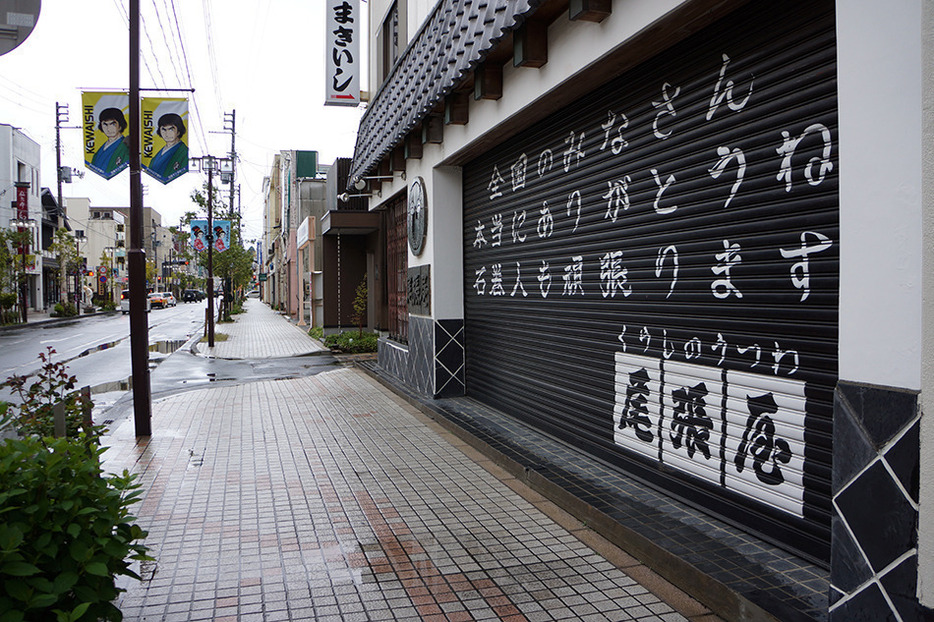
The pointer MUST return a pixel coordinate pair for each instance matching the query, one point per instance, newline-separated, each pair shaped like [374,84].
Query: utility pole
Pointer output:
[210,239]
[136,260]
[232,119]
[61,116]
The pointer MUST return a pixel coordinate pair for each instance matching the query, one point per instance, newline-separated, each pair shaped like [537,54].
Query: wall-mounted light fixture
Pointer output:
[360,182]
[345,197]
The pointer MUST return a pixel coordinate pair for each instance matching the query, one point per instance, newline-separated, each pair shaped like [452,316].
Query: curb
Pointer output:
[56,320]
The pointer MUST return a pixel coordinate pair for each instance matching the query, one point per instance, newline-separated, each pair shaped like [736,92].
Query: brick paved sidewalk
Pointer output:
[260,332]
[329,498]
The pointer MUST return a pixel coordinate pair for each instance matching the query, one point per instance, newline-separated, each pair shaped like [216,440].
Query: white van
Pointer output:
[125,302]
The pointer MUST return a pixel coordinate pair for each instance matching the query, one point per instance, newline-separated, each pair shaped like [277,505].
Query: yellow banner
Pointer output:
[105,129]
[164,147]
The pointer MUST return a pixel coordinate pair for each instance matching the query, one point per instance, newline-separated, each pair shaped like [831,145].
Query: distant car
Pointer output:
[253,293]
[125,302]
[169,299]
[158,299]
[192,295]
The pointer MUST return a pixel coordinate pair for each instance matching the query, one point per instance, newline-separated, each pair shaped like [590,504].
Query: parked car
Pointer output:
[192,295]
[169,299]
[125,302]
[253,293]
[157,299]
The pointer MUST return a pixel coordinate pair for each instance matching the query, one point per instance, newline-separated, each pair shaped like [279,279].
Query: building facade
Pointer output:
[102,246]
[20,163]
[673,234]
[294,192]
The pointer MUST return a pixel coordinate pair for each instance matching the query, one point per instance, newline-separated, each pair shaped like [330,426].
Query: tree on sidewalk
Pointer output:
[69,262]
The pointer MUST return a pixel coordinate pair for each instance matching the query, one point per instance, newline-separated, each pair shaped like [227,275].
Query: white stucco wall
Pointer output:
[926,523]
[447,198]
[886,224]
[879,74]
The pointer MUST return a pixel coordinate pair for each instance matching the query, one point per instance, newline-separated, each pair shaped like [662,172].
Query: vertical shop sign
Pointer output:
[342,42]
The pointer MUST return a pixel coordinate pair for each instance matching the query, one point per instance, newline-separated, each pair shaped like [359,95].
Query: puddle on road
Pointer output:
[166,347]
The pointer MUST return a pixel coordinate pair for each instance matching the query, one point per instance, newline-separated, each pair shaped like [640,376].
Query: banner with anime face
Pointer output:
[105,125]
[218,237]
[199,235]
[165,137]
[221,237]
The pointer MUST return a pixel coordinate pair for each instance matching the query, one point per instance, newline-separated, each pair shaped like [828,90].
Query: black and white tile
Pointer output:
[875,500]
[432,362]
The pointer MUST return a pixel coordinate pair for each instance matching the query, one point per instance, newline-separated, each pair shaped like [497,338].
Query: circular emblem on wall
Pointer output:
[417,215]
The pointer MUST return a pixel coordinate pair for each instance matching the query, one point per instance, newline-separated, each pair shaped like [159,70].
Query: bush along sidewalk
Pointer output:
[66,532]
[353,342]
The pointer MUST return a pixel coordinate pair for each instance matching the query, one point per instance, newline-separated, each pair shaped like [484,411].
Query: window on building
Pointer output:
[389,44]
[397,259]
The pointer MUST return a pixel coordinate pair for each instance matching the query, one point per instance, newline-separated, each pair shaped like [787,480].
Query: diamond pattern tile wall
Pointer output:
[875,501]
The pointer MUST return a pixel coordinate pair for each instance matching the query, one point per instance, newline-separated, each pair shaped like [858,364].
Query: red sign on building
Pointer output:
[22,201]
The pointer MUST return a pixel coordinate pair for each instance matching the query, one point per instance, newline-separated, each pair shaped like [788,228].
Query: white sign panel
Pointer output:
[342,49]
[739,430]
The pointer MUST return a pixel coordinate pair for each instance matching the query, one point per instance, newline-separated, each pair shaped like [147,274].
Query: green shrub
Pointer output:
[66,532]
[64,309]
[8,300]
[353,343]
[316,332]
[10,317]
[52,384]
[65,527]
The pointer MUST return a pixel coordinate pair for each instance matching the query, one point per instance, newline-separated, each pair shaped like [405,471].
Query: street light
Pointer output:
[79,236]
[211,164]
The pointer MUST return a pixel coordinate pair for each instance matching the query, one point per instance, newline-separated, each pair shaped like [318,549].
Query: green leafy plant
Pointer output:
[65,532]
[65,309]
[52,385]
[353,343]
[7,301]
[316,332]
[359,305]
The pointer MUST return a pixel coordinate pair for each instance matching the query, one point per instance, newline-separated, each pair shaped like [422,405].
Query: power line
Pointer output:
[174,56]
[152,50]
[125,16]
[181,40]
[212,57]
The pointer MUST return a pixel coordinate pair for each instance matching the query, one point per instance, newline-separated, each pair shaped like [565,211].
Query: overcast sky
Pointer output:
[262,58]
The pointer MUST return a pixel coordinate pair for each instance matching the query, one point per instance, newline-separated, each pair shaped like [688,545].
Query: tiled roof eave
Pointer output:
[457,36]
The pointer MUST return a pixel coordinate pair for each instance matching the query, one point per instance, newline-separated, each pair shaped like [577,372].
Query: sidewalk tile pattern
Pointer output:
[265,335]
[326,498]
[783,584]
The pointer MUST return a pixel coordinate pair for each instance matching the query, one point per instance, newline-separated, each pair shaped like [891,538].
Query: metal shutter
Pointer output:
[652,272]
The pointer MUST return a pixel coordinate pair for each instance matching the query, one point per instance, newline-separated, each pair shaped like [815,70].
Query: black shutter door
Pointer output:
[652,273]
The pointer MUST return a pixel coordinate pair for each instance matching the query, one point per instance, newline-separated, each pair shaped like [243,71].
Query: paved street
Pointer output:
[330,498]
